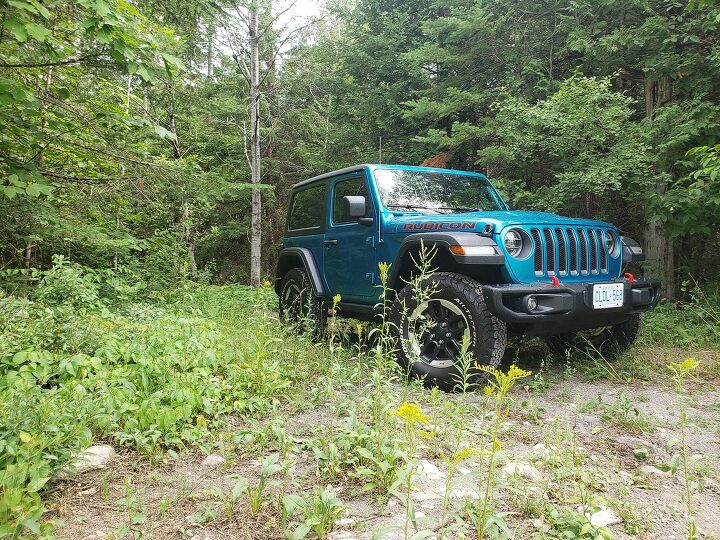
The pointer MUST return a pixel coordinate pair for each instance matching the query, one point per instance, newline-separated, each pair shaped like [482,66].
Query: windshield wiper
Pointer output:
[417,206]
[459,208]
[467,209]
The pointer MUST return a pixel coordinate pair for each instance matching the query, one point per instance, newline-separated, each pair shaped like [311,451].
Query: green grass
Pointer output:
[694,324]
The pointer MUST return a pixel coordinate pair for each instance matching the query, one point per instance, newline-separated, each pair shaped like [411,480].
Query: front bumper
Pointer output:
[566,307]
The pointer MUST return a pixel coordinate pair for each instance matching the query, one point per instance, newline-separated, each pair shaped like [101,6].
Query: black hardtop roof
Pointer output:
[373,166]
[353,168]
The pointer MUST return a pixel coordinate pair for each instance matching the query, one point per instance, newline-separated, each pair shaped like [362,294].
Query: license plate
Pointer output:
[608,295]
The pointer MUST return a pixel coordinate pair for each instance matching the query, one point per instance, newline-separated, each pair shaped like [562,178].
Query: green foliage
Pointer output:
[570,524]
[361,453]
[688,324]
[43,139]
[120,148]
[625,414]
[692,203]
[317,512]
[556,150]
[143,375]
[256,493]
[33,447]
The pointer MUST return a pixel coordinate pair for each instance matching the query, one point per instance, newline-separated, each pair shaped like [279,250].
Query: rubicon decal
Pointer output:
[439,226]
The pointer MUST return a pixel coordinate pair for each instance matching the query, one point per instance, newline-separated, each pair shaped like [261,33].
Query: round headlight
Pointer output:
[513,242]
[610,243]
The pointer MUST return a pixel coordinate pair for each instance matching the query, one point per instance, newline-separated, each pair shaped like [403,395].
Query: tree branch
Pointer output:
[58,63]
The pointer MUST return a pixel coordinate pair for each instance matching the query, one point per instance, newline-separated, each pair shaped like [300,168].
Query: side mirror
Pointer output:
[354,206]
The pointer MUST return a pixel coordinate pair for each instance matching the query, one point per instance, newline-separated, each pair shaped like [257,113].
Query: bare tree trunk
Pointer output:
[187,228]
[189,243]
[29,247]
[256,230]
[127,94]
[327,124]
[27,257]
[173,129]
[44,107]
[210,51]
[659,247]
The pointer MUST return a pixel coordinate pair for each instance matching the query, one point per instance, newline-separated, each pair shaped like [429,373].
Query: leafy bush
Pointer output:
[694,323]
[33,447]
[89,361]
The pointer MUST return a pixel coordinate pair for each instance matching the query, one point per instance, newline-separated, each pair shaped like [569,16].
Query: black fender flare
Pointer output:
[631,251]
[446,240]
[294,257]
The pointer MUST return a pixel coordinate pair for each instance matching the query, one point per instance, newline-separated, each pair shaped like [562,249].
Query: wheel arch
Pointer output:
[483,268]
[298,257]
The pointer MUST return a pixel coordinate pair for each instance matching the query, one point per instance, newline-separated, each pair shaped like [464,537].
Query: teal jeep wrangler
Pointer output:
[497,272]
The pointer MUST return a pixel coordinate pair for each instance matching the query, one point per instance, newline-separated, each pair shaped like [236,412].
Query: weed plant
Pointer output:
[499,386]
[680,371]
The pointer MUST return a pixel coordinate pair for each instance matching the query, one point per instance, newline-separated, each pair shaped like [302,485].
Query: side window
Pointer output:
[308,208]
[351,186]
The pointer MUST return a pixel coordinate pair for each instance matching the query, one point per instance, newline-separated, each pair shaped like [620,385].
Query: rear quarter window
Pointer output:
[307,209]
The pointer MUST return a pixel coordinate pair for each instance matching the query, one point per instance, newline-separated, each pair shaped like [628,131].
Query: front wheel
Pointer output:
[608,341]
[433,323]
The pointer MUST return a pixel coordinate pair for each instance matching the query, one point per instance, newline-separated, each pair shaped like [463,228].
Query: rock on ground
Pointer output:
[345,523]
[431,471]
[636,443]
[95,457]
[342,535]
[650,469]
[604,517]
[524,470]
[212,461]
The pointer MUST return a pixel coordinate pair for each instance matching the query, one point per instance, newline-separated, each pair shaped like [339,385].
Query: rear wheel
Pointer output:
[298,306]
[607,341]
[431,331]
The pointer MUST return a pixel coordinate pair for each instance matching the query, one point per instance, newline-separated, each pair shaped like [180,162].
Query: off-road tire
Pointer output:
[610,343]
[487,333]
[298,306]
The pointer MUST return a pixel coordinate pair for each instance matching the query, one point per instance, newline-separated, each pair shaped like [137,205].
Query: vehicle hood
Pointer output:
[408,223]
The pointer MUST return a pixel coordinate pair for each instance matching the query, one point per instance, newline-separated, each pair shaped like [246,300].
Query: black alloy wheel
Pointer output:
[430,332]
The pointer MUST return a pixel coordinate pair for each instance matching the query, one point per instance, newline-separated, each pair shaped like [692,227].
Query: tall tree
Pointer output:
[256,230]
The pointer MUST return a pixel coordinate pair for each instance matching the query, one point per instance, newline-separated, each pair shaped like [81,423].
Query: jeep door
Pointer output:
[349,256]
[306,220]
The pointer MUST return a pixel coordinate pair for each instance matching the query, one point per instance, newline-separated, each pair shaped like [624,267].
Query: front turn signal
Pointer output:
[470,251]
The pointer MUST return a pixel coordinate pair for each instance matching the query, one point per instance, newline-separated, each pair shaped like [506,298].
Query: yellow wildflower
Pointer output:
[503,382]
[411,413]
[488,369]
[515,373]
[336,300]
[384,268]
[465,453]
[684,367]
[266,284]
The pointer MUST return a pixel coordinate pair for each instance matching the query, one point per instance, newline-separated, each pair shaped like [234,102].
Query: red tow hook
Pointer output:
[629,277]
[555,281]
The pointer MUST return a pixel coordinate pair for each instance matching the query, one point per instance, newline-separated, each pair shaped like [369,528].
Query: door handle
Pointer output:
[332,242]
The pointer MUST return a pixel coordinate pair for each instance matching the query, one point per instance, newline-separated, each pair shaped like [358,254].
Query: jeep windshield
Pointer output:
[435,191]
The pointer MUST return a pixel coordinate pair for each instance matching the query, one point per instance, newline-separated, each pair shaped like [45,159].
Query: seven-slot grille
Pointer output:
[569,250]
